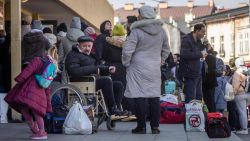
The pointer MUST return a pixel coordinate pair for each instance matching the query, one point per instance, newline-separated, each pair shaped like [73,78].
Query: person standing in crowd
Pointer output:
[25,25]
[144,51]
[233,116]
[47,33]
[130,19]
[61,31]
[31,100]
[192,58]
[70,39]
[34,44]
[209,79]
[100,42]
[242,99]
[90,31]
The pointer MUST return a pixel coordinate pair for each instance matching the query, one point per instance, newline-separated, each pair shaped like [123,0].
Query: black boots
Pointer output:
[155,130]
[138,130]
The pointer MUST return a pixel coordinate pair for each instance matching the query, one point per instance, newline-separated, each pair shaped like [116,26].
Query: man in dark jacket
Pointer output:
[191,62]
[80,62]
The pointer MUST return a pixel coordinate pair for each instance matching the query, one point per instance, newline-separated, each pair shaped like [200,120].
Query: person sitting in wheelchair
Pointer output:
[81,62]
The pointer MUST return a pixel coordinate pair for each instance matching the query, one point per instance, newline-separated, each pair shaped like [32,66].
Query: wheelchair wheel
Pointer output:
[72,92]
[110,123]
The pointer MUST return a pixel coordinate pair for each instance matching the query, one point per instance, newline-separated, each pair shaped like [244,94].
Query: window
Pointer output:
[222,49]
[212,42]
[243,42]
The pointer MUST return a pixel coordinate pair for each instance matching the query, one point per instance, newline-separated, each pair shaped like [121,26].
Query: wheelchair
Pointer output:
[83,90]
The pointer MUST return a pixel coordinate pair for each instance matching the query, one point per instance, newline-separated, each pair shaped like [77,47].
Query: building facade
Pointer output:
[228,32]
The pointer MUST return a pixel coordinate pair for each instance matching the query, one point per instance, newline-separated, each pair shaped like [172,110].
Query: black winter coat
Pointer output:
[190,55]
[80,64]
[210,80]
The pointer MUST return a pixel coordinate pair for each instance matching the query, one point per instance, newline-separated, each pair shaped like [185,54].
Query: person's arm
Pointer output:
[165,48]
[129,48]
[187,52]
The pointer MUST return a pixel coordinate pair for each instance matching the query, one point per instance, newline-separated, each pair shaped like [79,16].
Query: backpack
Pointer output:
[219,66]
[48,73]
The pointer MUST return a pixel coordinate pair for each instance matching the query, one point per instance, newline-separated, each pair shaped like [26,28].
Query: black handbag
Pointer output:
[217,128]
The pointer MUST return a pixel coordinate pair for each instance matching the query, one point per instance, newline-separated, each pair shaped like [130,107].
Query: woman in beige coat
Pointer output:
[242,99]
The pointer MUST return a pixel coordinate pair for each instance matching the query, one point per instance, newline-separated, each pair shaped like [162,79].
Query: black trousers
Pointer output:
[208,95]
[112,91]
[142,105]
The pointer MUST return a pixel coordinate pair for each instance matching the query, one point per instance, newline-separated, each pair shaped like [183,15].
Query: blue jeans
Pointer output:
[192,89]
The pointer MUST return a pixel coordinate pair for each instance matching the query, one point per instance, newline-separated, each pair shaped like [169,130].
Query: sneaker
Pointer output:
[39,136]
[242,132]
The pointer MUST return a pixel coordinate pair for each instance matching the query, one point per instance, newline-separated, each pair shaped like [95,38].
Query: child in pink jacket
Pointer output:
[31,100]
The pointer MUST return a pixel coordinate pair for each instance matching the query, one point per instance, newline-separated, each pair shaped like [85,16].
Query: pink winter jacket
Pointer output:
[27,92]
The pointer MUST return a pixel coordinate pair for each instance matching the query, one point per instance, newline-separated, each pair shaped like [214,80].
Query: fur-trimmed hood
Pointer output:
[150,26]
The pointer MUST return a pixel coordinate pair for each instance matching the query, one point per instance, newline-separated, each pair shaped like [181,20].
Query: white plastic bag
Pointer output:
[170,98]
[77,121]
[3,109]
[229,92]
[195,120]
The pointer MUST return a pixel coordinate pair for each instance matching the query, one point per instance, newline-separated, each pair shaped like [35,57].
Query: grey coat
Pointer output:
[143,52]
[67,42]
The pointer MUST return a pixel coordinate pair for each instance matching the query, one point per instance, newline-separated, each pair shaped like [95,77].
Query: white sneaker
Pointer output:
[242,132]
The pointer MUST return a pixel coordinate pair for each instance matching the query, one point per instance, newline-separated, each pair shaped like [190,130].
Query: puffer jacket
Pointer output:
[80,64]
[190,56]
[27,92]
[238,81]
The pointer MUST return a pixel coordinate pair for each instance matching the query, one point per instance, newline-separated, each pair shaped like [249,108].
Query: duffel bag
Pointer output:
[172,113]
[217,128]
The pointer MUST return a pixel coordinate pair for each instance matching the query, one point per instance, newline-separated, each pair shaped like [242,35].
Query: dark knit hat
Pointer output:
[85,39]
[83,26]
[61,27]
[36,24]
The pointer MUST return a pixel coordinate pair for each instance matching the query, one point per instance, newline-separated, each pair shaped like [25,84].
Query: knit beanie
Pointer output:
[118,30]
[89,31]
[83,26]
[147,12]
[61,27]
[75,23]
[36,24]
